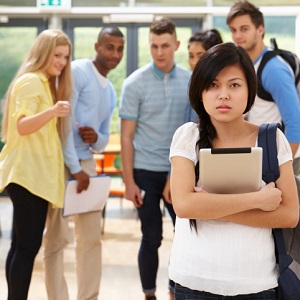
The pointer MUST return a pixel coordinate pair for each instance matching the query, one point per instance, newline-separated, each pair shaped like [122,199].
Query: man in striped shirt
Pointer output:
[154,104]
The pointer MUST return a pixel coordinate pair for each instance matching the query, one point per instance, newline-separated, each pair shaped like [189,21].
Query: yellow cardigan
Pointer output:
[34,161]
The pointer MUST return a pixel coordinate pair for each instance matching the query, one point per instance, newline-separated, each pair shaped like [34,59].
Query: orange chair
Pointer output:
[109,165]
[99,162]
[105,162]
[117,191]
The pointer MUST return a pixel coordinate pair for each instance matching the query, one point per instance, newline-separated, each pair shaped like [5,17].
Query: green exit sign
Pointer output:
[54,5]
[50,2]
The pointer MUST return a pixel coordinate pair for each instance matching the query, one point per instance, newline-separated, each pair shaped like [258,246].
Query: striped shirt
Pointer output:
[158,102]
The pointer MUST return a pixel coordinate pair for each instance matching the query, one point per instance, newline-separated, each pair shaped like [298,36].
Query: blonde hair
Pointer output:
[38,59]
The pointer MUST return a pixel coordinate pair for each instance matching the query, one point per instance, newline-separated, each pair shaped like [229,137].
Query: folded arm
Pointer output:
[268,207]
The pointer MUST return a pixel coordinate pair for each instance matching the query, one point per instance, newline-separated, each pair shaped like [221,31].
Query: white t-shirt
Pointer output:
[223,258]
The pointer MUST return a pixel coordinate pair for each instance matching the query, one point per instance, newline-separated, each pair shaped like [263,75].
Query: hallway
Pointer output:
[120,243]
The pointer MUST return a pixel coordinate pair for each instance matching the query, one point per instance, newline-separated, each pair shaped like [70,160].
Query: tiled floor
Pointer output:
[120,279]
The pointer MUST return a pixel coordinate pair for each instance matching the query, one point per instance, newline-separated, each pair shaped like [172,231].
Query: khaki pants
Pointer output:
[87,247]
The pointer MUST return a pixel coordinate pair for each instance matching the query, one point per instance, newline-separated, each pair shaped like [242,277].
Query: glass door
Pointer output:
[16,38]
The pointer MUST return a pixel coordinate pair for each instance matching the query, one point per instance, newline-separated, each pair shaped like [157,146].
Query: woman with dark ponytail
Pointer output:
[223,244]
[200,42]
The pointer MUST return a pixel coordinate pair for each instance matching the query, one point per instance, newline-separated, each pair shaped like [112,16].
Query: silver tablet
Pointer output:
[230,170]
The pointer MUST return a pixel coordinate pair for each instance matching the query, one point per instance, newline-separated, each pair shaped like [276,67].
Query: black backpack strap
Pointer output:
[273,44]
[281,248]
[261,92]
[270,173]
[267,140]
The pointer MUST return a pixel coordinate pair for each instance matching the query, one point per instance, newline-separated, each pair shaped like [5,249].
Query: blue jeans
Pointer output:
[29,217]
[150,215]
[183,293]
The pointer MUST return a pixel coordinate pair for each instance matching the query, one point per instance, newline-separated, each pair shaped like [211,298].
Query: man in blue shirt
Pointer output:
[93,102]
[246,24]
[153,105]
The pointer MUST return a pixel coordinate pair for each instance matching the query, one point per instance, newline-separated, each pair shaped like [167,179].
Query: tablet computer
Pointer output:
[230,170]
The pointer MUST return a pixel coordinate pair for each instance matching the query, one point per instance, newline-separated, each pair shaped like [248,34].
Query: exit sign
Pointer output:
[53,4]
[50,2]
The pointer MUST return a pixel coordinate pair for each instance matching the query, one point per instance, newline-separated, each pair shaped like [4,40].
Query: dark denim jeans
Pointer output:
[29,216]
[183,293]
[150,215]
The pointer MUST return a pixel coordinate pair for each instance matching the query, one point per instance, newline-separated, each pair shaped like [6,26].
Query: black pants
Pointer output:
[151,224]
[29,216]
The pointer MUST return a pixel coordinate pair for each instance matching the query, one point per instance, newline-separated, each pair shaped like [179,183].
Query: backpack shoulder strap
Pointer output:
[267,140]
[261,92]
[273,43]
[266,57]
[270,173]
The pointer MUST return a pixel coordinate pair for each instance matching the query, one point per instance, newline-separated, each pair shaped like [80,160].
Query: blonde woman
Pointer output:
[31,162]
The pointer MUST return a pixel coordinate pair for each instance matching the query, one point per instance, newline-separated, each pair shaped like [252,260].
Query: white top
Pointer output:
[222,258]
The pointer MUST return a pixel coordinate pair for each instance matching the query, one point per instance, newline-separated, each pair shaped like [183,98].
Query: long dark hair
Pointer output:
[208,67]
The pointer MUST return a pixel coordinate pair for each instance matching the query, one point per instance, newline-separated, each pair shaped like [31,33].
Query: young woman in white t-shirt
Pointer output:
[223,244]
